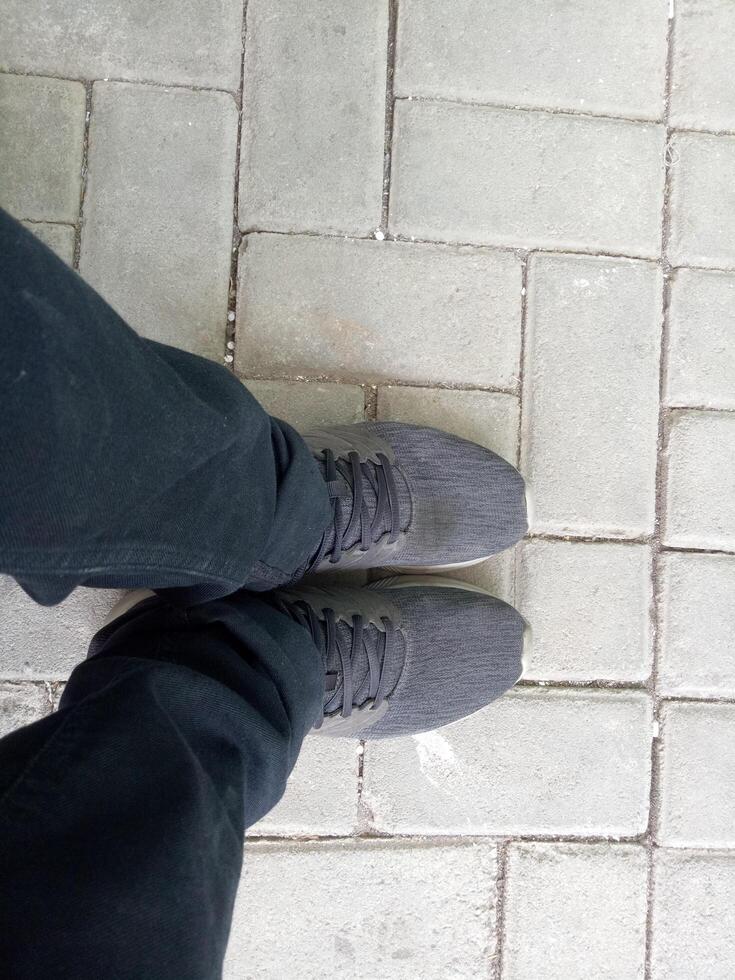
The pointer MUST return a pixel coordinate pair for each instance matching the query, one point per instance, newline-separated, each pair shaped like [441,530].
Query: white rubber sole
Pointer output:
[125,604]
[414,581]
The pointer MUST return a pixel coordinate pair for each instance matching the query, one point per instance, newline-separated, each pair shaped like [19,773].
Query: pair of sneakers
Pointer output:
[409,652]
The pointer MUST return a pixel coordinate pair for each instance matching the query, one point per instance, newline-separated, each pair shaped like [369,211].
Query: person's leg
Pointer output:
[122,815]
[124,462]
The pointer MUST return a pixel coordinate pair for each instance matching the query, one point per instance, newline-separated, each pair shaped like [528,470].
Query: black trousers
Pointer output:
[126,463]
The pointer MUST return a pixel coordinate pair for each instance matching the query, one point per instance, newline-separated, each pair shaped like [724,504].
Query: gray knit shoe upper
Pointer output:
[409,653]
[407,495]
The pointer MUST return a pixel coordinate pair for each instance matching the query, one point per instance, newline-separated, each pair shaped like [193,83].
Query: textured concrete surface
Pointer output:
[591,394]
[590,609]
[394,910]
[572,898]
[565,170]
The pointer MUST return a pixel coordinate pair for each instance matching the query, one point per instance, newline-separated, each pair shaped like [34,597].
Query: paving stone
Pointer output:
[486,417]
[21,704]
[693,916]
[698,626]
[59,238]
[45,643]
[157,252]
[189,43]
[321,795]
[369,311]
[701,368]
[697,775]
[307,404]
[574,897]
[314,116]
[535,762]
[702,94]
[702,200]
[563,55]
[591,394]
[41,137]
[700,497]
[589,605]
[467,173]
[369,909]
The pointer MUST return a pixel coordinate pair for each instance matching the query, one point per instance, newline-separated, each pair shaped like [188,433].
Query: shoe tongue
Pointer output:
[370,499]
[392,663]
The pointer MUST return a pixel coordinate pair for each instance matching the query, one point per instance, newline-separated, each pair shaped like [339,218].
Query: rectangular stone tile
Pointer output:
[697,775]
[534,762]
[702,200]
[189,43]
[467,173]
[314,116]
[321,795]
[698,626]
[370,311]
[157,251]
[21,704]
[589,607]
[308,404]
[693,916]
[700,489]
[702,339]
[46,643]
[486,417]
[368,909]
[41,137]
[591,394]
[562,55]
[59,238]
[562,899]
[702,92]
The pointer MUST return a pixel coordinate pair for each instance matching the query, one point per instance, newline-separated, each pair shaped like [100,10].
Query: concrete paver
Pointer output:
[591,394]
[378,311]
[697,775]
[307,404]
[576,55]
[698,626]
[465,173]
[41,133]
[369,909]
[575,910]
[21,704]
[59,238]
[702,93]
[494,774]
[159,254]
[590,609]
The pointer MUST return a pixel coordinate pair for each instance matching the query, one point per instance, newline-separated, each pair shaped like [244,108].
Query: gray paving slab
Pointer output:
[21,704]
[578,55]
[59,238]
[697,782]
[314,116]
[702,92]
[466,173]
[700,502]
[573,911]
[591,394]
[534,762]
[693,923]
[158,252]
[697,625]
[378,311]
[701,360]
[183,42]
[307,404]
[589,605]
[41,137]
[702,200]
[368,909]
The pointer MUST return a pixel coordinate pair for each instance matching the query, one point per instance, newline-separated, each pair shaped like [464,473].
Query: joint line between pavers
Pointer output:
[389,112]
[90,80]
[660,501]
[84,174]
[386,383]
[496,965]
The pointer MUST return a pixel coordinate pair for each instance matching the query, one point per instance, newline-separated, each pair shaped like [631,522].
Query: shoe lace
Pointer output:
[327,638]
[355,472]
